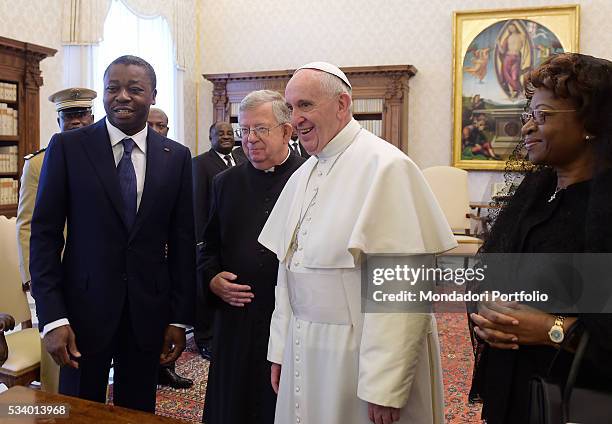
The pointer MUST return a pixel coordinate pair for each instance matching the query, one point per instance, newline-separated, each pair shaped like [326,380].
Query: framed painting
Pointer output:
[493,50]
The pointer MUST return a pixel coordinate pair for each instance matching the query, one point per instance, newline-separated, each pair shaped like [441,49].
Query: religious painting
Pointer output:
[493,51]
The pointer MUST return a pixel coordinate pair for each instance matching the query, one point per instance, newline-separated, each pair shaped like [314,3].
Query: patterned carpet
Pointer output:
[456,363]
[185,404]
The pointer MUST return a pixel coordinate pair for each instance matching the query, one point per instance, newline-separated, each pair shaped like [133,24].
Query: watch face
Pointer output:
[556,334]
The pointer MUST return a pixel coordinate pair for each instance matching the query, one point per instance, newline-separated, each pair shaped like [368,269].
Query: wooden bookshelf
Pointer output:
[386,87]
[19,68]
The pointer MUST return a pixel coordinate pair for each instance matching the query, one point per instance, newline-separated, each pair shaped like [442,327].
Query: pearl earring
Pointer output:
[589,137]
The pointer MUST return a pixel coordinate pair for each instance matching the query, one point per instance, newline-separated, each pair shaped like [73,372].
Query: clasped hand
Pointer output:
[506,325]
[232,293]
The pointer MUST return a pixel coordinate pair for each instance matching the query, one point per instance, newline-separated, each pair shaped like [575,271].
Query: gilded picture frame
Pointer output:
[493,50]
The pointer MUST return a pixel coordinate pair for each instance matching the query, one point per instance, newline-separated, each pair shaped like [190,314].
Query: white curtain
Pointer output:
[83,20]
[149,38]
[78,66]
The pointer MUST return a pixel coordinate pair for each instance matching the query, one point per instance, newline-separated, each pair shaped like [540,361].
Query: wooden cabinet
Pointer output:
[380,96]
[20,80]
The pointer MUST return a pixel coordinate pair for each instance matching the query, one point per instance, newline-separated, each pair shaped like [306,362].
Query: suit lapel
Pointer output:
[303,152]
[100,154]
[156,166]
[222,165]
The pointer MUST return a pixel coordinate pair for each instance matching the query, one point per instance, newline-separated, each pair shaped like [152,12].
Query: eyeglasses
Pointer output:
[539,115]
[244,132]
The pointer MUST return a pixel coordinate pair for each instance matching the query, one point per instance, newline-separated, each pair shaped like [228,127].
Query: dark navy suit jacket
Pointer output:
[105,268]
[205,167]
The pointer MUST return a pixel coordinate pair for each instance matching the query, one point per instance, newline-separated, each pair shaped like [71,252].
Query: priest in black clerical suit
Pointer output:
[204,168]
[241,272]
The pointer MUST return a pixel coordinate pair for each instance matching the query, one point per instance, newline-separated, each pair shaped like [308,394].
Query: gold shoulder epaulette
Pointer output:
[31,155]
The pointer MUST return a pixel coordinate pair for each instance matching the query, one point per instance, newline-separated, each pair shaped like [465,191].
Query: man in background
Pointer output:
[124,289]
[158,121]
[332,362]
[239,272]
[73,107]
[296,146]
[220,157]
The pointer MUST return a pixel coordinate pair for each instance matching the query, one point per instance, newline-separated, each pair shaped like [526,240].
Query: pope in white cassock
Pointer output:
[356,195]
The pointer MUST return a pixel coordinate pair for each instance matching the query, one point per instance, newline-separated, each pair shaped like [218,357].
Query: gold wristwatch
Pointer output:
[556,333]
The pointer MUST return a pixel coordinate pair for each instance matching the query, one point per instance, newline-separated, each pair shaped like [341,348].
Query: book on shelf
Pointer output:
[8,91]
[372,125]
[8,120]
[8,159]
[367,105]
[9,191]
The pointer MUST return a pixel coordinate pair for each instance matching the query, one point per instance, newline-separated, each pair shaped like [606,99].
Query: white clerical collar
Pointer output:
[341,141]
[116,135]
[272,169]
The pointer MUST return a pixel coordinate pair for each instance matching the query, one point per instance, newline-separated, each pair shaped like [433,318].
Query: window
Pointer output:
[149,38]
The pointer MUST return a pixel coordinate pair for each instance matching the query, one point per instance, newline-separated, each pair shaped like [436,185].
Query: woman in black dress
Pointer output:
[563,205]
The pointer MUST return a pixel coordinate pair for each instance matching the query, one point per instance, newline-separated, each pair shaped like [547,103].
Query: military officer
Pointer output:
[73,111]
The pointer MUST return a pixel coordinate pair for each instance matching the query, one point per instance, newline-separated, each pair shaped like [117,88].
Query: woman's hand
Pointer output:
[495,325]
[505,325]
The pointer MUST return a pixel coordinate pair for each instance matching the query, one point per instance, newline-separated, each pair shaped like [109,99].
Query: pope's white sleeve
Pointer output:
[280,318]
[392,348]
[390,352]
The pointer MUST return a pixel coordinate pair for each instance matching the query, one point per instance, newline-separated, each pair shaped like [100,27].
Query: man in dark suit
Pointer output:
[296,146]
[205,166]
[124,289]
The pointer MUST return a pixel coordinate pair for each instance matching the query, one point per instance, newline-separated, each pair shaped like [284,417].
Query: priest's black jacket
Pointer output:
[239,389]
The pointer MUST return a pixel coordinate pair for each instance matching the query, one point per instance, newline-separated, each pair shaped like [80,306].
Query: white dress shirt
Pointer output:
[223,155]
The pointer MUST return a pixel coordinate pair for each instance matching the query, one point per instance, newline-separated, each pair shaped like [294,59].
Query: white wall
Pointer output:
[246,35]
